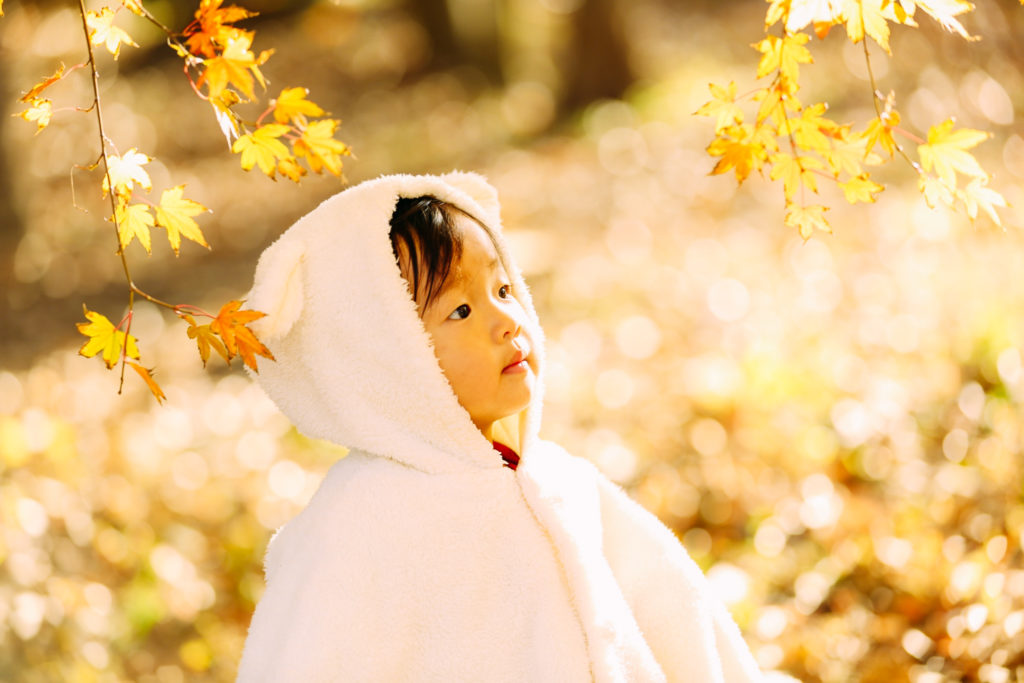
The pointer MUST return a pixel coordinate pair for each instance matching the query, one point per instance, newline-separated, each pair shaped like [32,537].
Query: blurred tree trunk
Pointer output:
[476,43]
[10,222]
[597,65]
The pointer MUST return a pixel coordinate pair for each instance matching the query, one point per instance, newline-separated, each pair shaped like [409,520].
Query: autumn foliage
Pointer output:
[799,145]
[222,69]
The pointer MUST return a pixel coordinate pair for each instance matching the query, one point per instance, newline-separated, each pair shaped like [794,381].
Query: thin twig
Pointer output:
[875,95]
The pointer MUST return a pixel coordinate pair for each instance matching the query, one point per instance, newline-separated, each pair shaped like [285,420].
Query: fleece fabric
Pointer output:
[422,557]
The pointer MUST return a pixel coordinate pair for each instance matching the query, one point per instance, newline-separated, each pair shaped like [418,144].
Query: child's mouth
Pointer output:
[517,365]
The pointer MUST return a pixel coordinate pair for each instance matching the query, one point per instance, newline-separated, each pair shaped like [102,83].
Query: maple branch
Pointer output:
[151,299]
[785,118]
[106,170]
[875,93]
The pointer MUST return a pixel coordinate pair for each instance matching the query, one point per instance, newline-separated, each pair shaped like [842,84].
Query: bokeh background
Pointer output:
[833,428]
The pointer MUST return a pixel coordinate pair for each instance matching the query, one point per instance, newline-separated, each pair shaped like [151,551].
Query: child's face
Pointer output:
[479,332]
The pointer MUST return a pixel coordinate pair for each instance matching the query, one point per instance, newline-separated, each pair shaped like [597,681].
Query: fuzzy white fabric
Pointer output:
[422,558]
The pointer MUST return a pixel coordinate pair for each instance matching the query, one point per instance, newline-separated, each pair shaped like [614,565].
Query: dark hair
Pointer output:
[426,226]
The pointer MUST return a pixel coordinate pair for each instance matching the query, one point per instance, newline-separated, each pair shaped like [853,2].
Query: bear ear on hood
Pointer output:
[277,288]
[478,189]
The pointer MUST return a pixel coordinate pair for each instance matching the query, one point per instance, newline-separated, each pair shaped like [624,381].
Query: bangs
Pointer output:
[425,227]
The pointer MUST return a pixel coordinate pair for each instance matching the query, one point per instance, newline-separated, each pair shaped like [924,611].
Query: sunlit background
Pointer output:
[833,428]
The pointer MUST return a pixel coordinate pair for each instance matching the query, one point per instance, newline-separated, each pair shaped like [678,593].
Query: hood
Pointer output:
[354,363]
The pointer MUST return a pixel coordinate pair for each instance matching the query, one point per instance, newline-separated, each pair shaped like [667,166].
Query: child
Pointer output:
[451,543]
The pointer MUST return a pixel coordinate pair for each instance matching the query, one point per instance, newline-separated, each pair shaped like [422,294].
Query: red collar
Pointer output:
[510,457]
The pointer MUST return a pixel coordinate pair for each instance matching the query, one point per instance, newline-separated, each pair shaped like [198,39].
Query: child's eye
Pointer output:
[460,312]
[505,291]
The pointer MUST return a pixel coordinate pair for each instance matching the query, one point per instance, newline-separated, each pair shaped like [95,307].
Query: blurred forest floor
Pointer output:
[834,427]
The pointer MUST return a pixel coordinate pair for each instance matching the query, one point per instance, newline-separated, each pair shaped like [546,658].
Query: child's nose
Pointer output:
[507,323]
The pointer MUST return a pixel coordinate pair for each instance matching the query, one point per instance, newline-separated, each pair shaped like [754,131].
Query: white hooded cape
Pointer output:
[421,557]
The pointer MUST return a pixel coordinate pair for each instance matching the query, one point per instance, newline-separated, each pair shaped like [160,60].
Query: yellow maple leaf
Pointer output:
[860,189]
[105,339]
[320,149]
[262,148]
[794,171]
[290,169]
[871,18]
[206,339]
[845,154]
[807,219]
[977,195]
[226,118]
[935,191]
[134,6]
[125,171]
[811,130]
[147,377]
[946,152]
[40,111]
[134,222]
[800,13]
[946,11]
[722,106]
[175,213]
[784,54]
[103,32]
[879,131]
[292,104]
[236,66]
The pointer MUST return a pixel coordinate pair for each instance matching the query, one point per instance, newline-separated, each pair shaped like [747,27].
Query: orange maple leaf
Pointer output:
[147,377]
[43,85]
[233,67]
[209,33]
[742,149]
[239,340]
